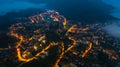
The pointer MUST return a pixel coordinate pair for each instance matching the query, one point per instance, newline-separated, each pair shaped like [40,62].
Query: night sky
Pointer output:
[75,8]
[116,4]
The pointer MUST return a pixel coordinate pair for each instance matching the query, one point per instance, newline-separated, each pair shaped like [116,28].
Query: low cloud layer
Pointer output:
[113,30]
[13,5]
[116,4]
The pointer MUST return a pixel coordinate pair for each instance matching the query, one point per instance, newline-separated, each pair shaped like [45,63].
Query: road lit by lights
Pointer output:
[87,50]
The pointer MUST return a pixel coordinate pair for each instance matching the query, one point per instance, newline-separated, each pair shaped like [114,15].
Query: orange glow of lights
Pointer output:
[61,56]
[20,58]
[65,22]
[87,50]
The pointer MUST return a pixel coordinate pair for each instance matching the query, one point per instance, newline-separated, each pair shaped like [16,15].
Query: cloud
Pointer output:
[113,30]
[17,6]
[116,4]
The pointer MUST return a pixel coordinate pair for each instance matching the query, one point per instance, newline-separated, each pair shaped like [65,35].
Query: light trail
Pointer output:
[61,55]
[64,23]
[87,50]
[20,58]
[30,59]
[9,47]
[65,51]
[71,29]
[56,18]
[4,49]
[70,47]
[46,48]
[20,37]
[85,29]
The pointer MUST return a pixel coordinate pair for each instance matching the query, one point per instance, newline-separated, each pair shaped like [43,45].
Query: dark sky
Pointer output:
[17,5]
[91,10]
[116,4]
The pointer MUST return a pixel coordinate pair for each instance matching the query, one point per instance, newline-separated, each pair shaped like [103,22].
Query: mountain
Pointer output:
[15,17]
[84,10]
